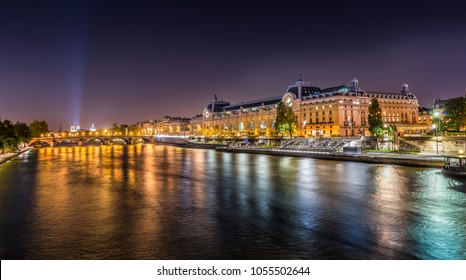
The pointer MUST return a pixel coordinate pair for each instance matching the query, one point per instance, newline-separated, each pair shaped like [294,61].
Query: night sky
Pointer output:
[127,61]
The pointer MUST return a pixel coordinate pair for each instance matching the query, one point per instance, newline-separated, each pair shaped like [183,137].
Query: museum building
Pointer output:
[335,111]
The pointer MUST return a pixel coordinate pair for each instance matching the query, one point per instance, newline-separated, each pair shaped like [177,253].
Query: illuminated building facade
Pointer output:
[196,125]
[148,127]
[253,118]
[173,126]
[335,111]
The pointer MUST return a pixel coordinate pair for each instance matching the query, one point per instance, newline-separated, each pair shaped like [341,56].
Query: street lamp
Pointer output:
[437,116]
[436,136]
[386,134]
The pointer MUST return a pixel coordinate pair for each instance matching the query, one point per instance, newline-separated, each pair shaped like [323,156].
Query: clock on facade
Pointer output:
[289,101]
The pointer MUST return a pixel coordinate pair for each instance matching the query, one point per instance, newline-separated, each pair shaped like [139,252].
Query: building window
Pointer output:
[263,125]
[241,126]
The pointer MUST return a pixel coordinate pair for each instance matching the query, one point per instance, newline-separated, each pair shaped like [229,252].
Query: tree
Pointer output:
[118,129]
[8,141]
[454,112]
[22,132]
[134,129]
[38,127]
[286,119]
[375,119]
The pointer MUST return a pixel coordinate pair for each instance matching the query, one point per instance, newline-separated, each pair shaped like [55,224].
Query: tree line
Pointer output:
[126,129]
[16,135]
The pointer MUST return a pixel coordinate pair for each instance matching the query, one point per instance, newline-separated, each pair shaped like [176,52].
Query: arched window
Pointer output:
[241,126]
[263,125]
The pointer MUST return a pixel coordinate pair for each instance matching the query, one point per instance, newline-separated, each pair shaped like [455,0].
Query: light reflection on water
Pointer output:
[161,202]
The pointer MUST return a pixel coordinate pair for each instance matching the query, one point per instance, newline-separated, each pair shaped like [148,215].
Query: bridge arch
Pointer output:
[119,139]
[36,141]
[90,139]
[142,139]
[65,141]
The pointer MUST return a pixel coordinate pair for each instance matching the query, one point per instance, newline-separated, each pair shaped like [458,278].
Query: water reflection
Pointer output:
[145,201]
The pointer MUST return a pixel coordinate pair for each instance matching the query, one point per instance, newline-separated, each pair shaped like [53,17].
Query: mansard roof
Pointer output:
[342,88]
[255,103]
[217,105]
[393,95]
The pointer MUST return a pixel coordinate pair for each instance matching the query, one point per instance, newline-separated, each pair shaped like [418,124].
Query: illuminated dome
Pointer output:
[354,84]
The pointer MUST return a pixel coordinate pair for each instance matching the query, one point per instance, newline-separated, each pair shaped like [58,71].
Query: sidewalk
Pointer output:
[418,160]
[428,156]
[6,157]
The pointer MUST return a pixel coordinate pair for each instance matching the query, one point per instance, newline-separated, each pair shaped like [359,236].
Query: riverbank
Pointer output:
[9,156]
[419,160]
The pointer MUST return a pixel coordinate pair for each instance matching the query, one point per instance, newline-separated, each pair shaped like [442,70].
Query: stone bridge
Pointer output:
[82,140]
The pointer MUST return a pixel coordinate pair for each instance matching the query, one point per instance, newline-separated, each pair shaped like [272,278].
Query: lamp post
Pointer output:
[437,116]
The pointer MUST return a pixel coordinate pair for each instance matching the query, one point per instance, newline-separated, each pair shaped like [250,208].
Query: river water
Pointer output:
[163,202]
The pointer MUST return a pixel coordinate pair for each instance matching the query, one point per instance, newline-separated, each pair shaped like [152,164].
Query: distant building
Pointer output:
[148,127]
[75,128]
[173,126]
[425,118]
[335,111]
[93,128]
[439,105]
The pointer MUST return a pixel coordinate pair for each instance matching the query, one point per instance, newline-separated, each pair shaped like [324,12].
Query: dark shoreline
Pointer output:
[9,157]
